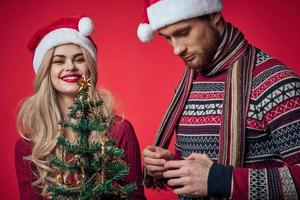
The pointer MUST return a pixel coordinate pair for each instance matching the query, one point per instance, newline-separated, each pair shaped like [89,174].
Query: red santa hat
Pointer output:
[160,13]
[75,30]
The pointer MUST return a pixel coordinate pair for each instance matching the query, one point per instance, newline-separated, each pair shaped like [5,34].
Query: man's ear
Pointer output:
[216,19]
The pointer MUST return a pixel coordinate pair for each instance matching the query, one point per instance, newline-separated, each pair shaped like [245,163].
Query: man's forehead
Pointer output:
[175,27]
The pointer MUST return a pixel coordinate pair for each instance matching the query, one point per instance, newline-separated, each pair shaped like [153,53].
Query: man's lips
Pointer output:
[189,57]
[71,78]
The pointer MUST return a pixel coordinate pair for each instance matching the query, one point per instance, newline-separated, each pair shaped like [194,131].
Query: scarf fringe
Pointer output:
[153,183]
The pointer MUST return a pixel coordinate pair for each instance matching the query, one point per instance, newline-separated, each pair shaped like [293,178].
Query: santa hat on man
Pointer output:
[160,13]
[75,30]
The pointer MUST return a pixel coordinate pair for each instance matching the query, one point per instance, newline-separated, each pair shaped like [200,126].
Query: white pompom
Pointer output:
[145,32]
[86,26]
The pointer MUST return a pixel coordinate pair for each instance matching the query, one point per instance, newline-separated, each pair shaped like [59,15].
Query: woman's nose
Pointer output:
[70,66]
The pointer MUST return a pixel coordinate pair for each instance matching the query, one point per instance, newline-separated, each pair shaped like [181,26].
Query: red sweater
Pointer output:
[271,168]
[124,133]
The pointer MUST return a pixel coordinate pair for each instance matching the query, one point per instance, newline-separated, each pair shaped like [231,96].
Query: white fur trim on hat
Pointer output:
[166,12]
[145,32]
[59,37]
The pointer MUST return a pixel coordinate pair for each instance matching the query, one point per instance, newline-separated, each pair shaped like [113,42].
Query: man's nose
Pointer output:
[178,48]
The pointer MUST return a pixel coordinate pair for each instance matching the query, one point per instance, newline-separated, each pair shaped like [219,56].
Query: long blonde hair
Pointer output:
[39,116]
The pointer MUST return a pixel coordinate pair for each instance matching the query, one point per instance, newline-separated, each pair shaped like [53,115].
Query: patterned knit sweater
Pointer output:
[272,146]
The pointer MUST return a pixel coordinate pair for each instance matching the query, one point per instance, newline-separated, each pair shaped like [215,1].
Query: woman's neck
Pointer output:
[64,102]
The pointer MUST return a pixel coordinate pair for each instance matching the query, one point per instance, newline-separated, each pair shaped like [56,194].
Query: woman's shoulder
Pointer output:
[23,146]
[121,123]
[121,128]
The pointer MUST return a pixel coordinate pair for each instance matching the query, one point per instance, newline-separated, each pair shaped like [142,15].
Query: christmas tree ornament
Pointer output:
[84,84]
[93,168]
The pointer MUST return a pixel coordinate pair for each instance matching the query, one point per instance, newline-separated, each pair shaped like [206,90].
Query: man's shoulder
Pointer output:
[269,69]
[265,61]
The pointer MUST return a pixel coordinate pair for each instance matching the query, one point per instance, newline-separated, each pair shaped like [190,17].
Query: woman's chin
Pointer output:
[70,91]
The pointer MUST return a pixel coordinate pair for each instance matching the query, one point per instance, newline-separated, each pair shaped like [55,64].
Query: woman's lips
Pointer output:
[71,78]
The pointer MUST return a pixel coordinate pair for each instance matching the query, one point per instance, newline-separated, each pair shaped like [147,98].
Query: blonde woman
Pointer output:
[63,52]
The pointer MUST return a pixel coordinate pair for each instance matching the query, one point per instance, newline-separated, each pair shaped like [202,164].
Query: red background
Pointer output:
[142,77]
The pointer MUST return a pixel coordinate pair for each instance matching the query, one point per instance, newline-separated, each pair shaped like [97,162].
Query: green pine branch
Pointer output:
[98,164]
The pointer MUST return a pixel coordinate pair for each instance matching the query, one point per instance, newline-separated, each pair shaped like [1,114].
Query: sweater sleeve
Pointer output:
[24,172]
[127,140]
[282,182]
[278,104]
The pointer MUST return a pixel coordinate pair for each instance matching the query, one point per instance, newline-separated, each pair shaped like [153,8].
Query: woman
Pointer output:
[63,53]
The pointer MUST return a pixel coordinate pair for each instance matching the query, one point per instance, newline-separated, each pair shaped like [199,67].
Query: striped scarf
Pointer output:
[235,56]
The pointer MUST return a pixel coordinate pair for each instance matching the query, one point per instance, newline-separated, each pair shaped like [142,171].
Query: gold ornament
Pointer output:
[124,195]
[59,179]
[73,158]
[82,173]
[84,83]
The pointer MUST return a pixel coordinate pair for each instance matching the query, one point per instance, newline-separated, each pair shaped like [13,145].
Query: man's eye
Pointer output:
[183,33]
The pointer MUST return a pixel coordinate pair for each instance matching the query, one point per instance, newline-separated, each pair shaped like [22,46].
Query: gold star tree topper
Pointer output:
[84,83]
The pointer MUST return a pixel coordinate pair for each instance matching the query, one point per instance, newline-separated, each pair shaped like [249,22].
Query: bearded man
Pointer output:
[236,112]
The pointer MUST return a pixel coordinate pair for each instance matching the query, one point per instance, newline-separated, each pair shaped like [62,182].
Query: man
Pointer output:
[236,112]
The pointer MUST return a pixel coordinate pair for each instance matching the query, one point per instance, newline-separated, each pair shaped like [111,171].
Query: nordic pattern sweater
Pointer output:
[271,167]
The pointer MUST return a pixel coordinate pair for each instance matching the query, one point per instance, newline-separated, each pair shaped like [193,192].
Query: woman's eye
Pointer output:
[57,62]
[80,60]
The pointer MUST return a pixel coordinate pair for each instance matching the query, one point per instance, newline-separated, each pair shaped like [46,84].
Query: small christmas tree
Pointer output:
[91,170]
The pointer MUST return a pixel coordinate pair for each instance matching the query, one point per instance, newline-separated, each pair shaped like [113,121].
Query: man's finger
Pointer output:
[175,164]
[150,152]
[197,156]
[153,168]
[177,182]
[151,161]
[155,174]
[174,173]
[185,190]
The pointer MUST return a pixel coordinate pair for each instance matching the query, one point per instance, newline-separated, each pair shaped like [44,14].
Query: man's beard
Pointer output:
[207,55]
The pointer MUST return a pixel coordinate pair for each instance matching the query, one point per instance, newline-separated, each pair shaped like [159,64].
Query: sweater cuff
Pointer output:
[219,180]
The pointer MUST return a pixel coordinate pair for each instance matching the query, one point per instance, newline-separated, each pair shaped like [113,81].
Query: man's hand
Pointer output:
[154,160]
[189,176]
